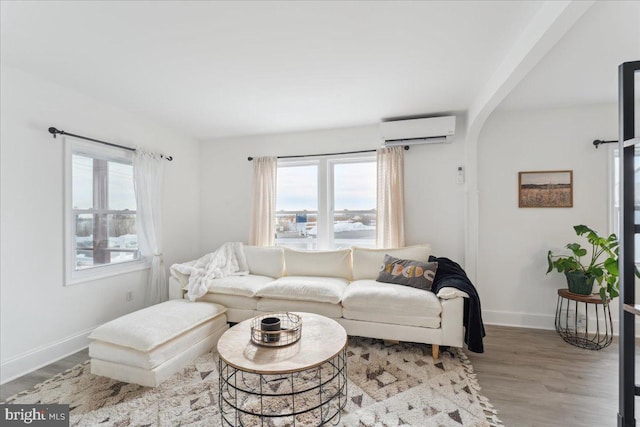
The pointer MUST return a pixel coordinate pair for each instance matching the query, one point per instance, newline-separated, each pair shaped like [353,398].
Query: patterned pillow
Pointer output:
[408,272]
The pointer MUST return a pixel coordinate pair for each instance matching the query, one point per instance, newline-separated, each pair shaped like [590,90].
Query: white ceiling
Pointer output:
[215,69]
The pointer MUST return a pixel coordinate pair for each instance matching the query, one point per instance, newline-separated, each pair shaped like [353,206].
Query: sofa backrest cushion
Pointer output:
[265,260]
[368,262]
[318,263]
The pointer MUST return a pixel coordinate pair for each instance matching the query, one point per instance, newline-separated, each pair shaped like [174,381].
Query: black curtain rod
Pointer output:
[406,147]
[597,142]
[55,132]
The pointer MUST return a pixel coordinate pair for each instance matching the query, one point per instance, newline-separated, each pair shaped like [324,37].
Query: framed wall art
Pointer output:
[545,189]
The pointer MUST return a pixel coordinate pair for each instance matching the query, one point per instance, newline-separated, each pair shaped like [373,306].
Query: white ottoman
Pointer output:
[148,346]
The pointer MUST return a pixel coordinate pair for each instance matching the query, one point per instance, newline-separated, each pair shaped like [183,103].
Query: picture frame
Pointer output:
[545,189]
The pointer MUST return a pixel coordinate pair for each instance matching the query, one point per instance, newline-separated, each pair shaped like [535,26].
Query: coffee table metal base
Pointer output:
[312,397]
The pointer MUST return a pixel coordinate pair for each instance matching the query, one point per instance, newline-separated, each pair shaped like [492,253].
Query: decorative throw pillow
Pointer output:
[408,272]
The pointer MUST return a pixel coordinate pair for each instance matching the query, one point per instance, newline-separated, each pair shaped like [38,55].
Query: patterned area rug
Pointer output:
[389,385]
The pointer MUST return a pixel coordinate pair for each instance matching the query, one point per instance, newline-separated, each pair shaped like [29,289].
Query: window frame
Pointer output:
[325,238]
[72,275]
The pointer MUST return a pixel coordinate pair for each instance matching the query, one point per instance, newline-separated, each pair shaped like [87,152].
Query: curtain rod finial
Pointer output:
[249,158]
[406,148]
[53,131]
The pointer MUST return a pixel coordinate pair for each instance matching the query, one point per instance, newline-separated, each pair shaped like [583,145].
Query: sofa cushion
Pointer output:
[369,295]
[392,319]
[231,301]
[305,288]
[367,262]
[265,261]
[408,272]
[269,305]
[318,263]
[245,286]
[150,327]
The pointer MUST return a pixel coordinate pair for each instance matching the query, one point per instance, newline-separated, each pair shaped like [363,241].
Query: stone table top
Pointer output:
[321,340]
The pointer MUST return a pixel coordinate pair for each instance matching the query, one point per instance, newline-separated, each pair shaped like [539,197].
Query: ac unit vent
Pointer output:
[433,130]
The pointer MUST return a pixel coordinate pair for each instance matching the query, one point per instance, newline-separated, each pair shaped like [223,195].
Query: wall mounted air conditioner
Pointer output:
[433,130]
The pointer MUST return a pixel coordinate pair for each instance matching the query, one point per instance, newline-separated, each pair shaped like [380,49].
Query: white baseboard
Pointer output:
[537,321]
[31,360]
[520,320]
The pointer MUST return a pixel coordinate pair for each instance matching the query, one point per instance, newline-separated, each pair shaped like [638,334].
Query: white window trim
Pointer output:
[612,189]
[73,276]
[326,208]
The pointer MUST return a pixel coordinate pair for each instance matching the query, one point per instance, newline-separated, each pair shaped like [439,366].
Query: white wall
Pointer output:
[434,202]
[42,320]
[513,242]
[208,202]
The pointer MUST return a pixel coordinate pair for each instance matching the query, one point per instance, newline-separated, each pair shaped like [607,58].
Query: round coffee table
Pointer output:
[302,384]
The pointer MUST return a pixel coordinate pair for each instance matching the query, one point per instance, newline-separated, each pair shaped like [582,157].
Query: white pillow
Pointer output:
[318,263]
[448,293]
[265,260]
[367,262]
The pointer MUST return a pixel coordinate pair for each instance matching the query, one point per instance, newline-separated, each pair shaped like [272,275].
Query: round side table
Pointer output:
[573,324]
[304,383]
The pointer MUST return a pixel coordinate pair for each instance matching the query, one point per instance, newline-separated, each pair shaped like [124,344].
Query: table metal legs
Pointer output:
[573,324]
[313,397]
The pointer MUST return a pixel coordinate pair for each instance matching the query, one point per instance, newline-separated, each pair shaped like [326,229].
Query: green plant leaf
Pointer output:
[550,261]
[577,249]
[603,294]
[581,229]
[611,265]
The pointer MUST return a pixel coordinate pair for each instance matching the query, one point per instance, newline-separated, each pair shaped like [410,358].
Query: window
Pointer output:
[326,203]
[615,197]
[100,236]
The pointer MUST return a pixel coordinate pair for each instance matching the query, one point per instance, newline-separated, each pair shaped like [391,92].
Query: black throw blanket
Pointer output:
[450,274]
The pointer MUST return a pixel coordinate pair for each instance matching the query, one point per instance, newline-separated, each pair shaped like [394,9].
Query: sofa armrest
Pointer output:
[175,288]
[451,321]
[449,293]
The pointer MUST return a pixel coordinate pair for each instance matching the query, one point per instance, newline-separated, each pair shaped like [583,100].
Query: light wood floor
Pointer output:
[532,377]
[36,377]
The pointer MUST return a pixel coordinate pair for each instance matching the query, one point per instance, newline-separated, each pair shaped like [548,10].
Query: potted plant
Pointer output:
[601,266]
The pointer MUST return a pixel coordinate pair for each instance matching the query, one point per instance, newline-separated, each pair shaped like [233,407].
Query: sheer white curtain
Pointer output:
[147,177]
[390,195]
[265,171]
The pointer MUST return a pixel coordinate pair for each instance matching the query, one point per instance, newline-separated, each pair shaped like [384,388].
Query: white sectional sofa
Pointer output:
[341,285]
